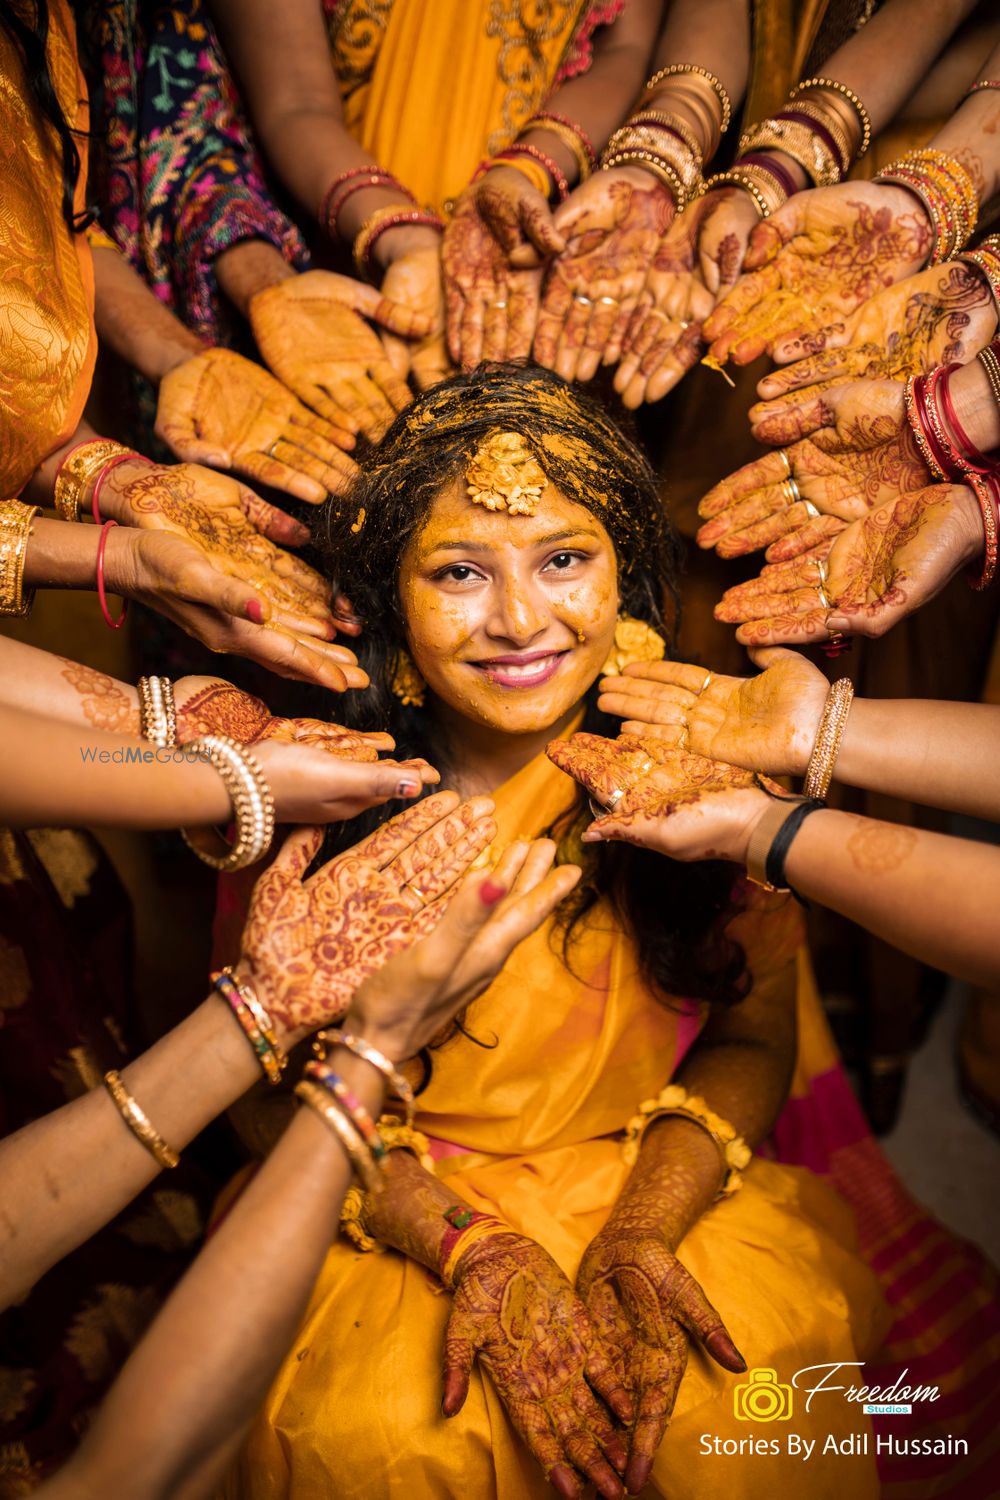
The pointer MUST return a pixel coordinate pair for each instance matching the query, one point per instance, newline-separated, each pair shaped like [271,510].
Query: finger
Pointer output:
[459,1353]
[395,390]
[184,442]
[396,316]
[495,329]
[309,453]
[532,867]
[389,841]
[700,1318]
[725,529]
[748,606]
[830,364]
[767,238]
[556,303]
[538,227]
[792,418]
[522,315]
[296,854]
[282,476]
[277,525]
[586,1456]
[804,629]
[291,655]
[606,313]
[819,531]
[532,1423]
[674,364]
[737,305]
[517,917]
[452,938]
[689,676]
[420,857]
[378,410]
[786,522]
[572,337]
[641,710]
[472,331]
[454,303]
[608,1385]
[656,1403]
[435,880]
[771,469]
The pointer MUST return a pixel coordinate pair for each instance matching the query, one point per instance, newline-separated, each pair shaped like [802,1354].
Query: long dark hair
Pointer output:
[32,37]
[676,913]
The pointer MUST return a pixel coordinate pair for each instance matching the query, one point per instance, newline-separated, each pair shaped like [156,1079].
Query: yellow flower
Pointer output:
[503,474]
[634,641]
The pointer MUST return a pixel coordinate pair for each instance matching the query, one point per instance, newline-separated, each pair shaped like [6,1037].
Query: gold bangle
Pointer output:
[570,140]
[474,1235]
[833,127]
[864,119]
[986,256]
[741,177]
[532,170]
[692,71]
[138,1122]
[988,359]
[675,1100]
[648,161]
[15,532]
[947,192]
[674,154]
[819,772]
[253,805]
[78,471]
[650,118]
[357,1152]
[796,140]
[157,714]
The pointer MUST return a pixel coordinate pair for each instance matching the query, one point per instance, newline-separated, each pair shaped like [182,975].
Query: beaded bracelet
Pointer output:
[801,142]
[947,192]
[984,83]
[157,712]
[651,162]
[762,193]
[357,1152]
[557,179]
[138,1122]
[829,131]
[355,180]
[691,72]
[819,772]
[358,1115]
[766,161]
[990,362]
[15,532]
[80,468]
[835,86]
[986,488]
[573,136]
[675,1100]
[254,1020]
[466,1227]
[253,806]
[380,222]
[377,1060]
[675,157]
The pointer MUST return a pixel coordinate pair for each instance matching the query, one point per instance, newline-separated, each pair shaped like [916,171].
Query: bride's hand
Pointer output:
[645,1309]
[515,1309]
[308,944]
[764,723]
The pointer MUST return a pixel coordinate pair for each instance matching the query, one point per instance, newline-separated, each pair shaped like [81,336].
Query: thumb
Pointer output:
[181,438]
[467,914]
[765,242]
[537,224]
[459,1353]
[200,583]
[768,656]
[702,1321]
[396,316]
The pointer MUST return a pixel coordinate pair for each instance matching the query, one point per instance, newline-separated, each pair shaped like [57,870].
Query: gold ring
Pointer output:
[501,303]
[682,741]
[824,598]
[790,490]
[421,896]
[614,799]
[708,678]
[270,452]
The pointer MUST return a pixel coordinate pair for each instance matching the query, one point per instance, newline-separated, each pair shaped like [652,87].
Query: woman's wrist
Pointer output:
[407,239]
[248,268]
[976,407]
[677,1177]
[113,502]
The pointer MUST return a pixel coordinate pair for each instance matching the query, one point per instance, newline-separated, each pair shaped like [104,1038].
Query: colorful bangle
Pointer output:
[819,772]
[986,256]
[466,1227]
[914,402]
[359,1116]
[138,1122]
[102,597]
[947,192]
[986,488]
[254,1020]
[157,713]
[836,87]
[357,1152]
[675,1100]
[379,1061]
[559,185]
[573,137]
[380,222]
[15,532]
[253,806]
[984,83]
[78,470]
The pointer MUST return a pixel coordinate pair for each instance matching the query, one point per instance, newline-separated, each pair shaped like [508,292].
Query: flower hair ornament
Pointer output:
[504,474]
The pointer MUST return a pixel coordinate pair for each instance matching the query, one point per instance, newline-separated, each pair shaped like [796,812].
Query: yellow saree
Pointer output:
[432,86]
[527,1131]
[46,273]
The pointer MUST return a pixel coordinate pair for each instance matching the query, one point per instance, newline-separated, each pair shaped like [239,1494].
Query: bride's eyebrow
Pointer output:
[542,541]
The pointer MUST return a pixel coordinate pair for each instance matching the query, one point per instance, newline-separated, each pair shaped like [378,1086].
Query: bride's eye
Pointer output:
[457,573]
[560,561]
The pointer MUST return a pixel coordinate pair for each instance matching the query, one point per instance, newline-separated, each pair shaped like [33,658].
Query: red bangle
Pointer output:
[971,455]
[589,149]
[102,598]
[394,221]
[519,148]
[931,451]
[352,181]
[986,489]
[112,463]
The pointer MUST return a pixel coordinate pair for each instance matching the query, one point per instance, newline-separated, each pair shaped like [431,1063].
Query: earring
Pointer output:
[407,683]
[634,641]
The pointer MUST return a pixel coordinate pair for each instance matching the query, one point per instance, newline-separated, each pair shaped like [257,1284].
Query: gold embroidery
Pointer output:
[69,857]
[45,320]
[523,25]
[170,1223]
[15,1388]
[117,1315]
[15,977]
[356,34]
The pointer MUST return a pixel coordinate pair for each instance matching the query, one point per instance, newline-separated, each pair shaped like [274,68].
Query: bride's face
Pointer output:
[510,618]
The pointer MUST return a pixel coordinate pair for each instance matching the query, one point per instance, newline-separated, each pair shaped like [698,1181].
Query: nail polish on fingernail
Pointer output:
[254,611]
[490,892]
[407,787]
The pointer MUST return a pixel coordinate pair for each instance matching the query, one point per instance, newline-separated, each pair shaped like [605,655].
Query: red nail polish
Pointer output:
[491,891]
[254,611]
[407,788]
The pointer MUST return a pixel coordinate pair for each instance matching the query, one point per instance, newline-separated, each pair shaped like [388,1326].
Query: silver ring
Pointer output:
[788,462]
[614,799]
[421,896]
[790,490]
[270,452]
[608,301]
[810,509]
[582,301]
[824,597]
[497,304]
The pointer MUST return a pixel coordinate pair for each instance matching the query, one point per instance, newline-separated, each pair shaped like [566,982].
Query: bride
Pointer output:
[585,1248]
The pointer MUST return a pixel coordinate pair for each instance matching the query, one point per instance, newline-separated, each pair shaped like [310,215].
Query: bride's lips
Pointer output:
[521,669]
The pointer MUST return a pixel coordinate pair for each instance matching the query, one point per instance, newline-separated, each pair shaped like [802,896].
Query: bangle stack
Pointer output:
[380,222]
[81,470]
[756,175]
[356,180]
[944,445]
[350,1122]
[675,1100]
[253,806]
[15,532]
[986,256]
[819,772]
[541,170]
[256,1024]
[377,1060]
[466,1227]
[702,93]
[573,136]
[946,191]
[138,1122]
[662,144]
[157,714]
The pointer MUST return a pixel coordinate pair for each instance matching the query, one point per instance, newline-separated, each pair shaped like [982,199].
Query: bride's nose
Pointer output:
[520,613]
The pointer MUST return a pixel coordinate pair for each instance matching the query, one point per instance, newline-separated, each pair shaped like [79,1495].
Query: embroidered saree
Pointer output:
[46,273]
[528,1130]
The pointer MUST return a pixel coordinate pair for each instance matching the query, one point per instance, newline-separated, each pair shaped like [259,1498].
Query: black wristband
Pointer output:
[778,852]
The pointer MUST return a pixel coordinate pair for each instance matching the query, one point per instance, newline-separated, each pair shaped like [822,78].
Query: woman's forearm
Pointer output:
[971,134]
[934,896]
[134,323]
[62,1177]
[938,754]
[42,683]
[252,1278]
[70,776]
[409,1213]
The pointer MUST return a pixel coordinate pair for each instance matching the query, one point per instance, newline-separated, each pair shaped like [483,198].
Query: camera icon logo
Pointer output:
[762,1398]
